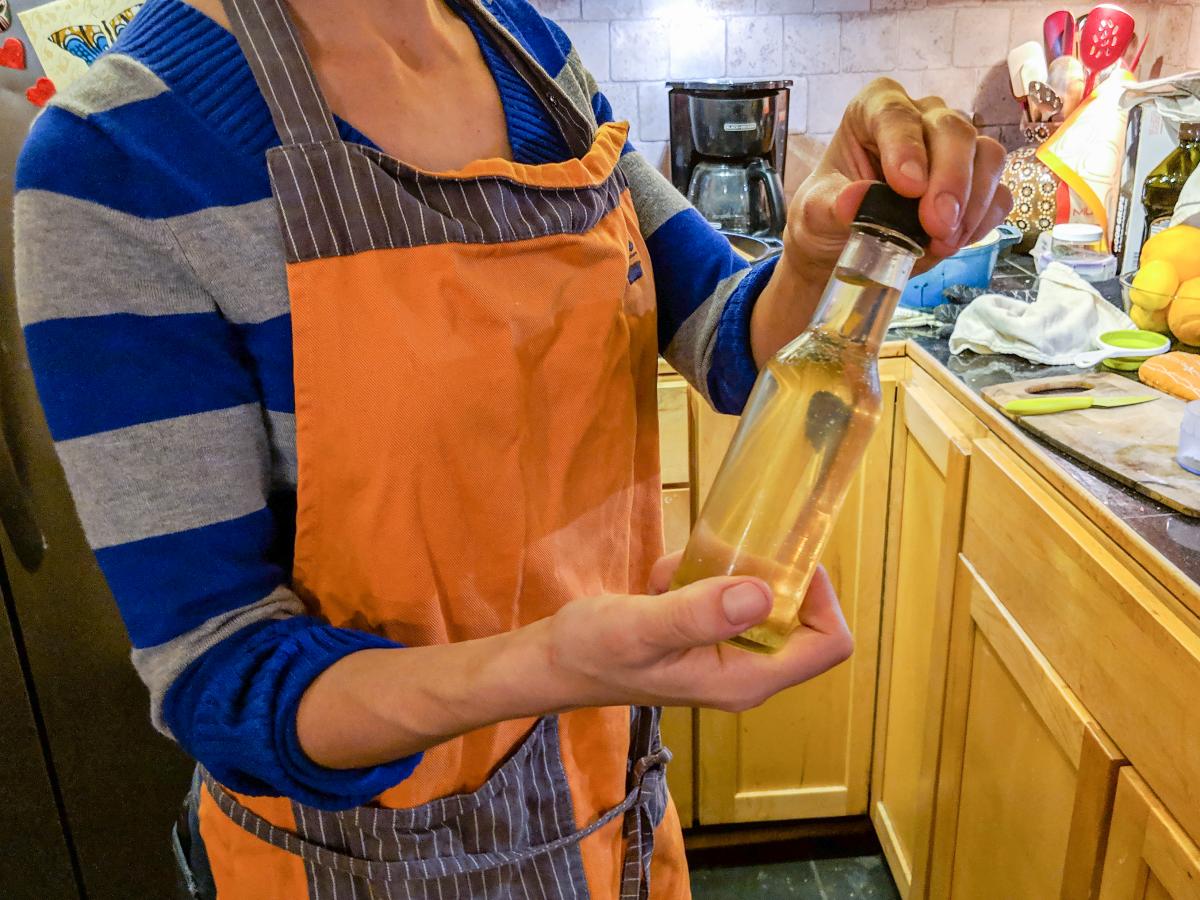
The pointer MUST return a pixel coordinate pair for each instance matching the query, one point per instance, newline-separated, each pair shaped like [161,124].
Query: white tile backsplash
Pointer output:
[980,35]
[557,9]
[812,44]
[590,40]
[868,42]
[767,7]
[639,50]
[754,45]
[955,49]
[697,47]
[653,115]
[612,9]
[623,98]
[924,39]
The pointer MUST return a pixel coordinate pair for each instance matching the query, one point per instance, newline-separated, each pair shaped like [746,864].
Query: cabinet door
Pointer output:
[805,753]
[1149,857]
[1027,776]
[929,480]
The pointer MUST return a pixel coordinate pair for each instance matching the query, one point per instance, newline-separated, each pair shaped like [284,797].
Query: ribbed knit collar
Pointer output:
[201,62]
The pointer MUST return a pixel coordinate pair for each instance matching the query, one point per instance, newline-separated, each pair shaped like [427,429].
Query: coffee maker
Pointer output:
[728,149]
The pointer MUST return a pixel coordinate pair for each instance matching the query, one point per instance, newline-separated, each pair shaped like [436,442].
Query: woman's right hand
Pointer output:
[667,649]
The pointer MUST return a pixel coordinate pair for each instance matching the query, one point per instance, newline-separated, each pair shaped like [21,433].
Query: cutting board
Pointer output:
[1134,444]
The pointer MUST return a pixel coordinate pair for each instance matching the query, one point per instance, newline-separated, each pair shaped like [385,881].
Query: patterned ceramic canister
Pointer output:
[1034,187]
[5,15]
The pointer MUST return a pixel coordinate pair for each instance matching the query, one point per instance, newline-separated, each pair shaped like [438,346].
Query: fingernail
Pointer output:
[914,170]
[948,209]
[744,603]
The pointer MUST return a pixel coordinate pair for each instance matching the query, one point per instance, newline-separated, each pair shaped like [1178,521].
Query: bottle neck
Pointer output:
[862,294]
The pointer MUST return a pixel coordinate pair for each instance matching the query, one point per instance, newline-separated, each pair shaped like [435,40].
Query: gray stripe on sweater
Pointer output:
[113,80]
[691,350]
[161,664]
[169,476]
[281,430]
[239,250]
[654,198]
[131,265]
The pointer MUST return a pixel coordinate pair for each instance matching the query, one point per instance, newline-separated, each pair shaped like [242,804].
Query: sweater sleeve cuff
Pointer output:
[733,371]
[313,784]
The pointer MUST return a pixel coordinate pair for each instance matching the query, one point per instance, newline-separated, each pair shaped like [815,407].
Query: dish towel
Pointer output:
[1065,319]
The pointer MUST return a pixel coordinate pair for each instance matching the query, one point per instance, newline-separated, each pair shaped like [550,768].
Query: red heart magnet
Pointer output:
[12,54]
[42,90]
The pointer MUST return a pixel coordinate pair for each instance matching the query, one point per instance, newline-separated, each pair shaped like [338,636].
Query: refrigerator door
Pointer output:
[36,861]
[120,782]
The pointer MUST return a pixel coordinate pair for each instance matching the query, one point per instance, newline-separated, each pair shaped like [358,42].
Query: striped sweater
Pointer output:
[150,273]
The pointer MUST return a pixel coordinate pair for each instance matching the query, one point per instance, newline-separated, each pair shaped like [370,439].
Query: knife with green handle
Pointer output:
[1039,406]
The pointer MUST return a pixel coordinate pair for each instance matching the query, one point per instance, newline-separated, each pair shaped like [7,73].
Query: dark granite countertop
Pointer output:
[1174,535]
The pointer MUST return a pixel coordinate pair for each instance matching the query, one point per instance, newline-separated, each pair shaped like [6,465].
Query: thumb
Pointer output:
[706,612]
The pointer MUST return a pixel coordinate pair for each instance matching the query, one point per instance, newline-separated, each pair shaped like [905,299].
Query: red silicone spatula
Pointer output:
[1106,33]
[1059,33]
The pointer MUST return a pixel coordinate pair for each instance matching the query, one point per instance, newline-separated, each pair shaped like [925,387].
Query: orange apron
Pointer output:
[475,362]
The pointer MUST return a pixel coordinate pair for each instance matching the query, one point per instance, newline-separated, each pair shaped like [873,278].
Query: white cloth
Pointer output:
[1187,209]
[1065,319]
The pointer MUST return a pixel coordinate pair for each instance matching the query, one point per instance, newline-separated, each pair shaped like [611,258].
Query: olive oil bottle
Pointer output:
[807,425]
[1165,182]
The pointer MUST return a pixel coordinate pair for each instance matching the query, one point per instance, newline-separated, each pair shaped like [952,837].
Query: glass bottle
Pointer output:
[1165,183]
[807,424]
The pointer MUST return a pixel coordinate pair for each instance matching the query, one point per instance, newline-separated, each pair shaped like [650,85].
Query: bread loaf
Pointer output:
[1177,373]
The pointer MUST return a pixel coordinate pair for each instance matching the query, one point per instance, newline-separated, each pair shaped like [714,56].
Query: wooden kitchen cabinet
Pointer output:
[1026,777]
[805,753]
[1149,857]
[930,455]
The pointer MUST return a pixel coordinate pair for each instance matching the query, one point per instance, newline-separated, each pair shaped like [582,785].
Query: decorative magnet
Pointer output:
[12,54]
[5,15]
[43,89]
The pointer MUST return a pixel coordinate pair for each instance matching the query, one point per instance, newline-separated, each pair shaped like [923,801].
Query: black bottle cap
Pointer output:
[884,207]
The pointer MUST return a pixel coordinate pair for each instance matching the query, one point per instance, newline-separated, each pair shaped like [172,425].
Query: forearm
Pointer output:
[375,706]
[785,307]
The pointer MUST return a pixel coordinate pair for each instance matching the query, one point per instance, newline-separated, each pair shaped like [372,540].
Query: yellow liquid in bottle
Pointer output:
[804,432]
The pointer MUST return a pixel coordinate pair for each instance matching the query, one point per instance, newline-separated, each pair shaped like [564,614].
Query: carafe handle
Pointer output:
[758,170]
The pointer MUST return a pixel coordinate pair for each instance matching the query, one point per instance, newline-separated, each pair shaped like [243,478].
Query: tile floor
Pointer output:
[838,878]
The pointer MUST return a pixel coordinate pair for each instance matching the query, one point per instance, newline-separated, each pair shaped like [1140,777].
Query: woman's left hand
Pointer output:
[922,148]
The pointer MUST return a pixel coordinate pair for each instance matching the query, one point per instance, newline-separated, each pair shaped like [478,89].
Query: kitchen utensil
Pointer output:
[1137,57]
[971,266]
[1044,103]
[1066,78]
[1026,63]
[1040,406]
[1106,33]
[1134,444]
[754,249]
[1188,454]
[1124,350]
[1059,33]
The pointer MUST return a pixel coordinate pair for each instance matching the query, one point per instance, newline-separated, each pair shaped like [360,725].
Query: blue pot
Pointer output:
[971,266]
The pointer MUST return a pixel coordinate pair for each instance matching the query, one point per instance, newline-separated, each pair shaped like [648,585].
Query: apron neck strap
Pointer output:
[284,73]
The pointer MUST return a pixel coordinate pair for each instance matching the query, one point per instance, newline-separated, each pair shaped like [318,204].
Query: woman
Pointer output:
[345,317]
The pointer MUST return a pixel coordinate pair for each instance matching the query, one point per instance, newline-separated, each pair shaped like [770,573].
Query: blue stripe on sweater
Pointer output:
[686,236]
[235,709]
[174,165]
[200,573]
[269,343]
[103,372]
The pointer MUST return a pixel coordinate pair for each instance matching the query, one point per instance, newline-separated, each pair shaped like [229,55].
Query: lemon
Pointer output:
[1154,285]
[1149,319]
[1180,246]
[1183,315]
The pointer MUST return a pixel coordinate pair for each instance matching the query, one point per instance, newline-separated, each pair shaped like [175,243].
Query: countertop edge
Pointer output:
[1140,551]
